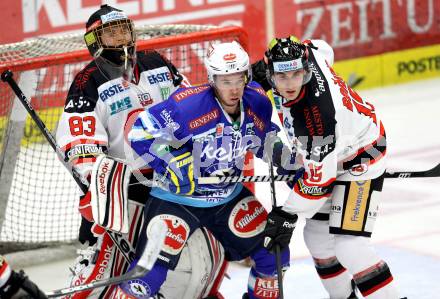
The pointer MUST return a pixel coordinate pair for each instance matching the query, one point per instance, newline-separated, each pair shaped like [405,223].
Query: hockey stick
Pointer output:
[7,76]
[212,180]
[144,265]
[430,173]
[277,246]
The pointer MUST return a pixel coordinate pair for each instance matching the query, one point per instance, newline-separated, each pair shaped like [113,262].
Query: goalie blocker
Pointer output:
[201,266]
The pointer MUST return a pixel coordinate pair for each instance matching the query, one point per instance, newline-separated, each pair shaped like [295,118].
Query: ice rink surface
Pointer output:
[407,233]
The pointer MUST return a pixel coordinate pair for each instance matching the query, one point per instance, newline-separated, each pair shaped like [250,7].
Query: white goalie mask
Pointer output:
[225,59]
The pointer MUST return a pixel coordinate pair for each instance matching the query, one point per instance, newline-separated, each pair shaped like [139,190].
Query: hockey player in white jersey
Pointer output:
[340,140]
[117,84]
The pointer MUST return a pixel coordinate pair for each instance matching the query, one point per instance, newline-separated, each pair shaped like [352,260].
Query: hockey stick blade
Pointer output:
[145,264]
[430,173]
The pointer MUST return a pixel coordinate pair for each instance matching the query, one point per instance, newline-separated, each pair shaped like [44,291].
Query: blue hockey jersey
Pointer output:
[192,119]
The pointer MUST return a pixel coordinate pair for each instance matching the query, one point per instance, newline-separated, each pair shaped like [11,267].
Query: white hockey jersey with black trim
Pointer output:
[97,109]
[337,135]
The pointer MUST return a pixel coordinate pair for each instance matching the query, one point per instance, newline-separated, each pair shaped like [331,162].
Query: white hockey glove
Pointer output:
[109,193]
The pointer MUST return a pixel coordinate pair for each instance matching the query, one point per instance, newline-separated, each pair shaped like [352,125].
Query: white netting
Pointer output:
[38,198]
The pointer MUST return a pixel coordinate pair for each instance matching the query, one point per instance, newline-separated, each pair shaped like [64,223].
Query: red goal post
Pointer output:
[38,197]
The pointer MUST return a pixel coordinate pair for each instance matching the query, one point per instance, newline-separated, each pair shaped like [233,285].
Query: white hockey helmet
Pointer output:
[226,58]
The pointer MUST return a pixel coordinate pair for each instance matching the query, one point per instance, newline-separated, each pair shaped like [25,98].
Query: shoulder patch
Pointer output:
[260,90]
[257,121]
[184,93]
[83,76]
[79,104]
[204,119]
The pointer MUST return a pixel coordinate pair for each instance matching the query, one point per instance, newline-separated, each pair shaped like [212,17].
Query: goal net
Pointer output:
[38,197]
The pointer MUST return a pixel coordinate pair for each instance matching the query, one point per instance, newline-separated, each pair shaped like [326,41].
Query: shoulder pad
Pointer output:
[184,93]
[153,59]
[83,92]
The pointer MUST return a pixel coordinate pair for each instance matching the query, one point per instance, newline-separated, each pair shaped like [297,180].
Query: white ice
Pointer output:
[407,233]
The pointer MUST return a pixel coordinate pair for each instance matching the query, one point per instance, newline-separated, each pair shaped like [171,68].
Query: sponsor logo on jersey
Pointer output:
[257,121]
[259,90]
[160,77]
[183,94]
[319,78]
[85,151]
[250,129]
[165,92]
[219,130]
[215,196]
[83,77]
[325,147]
[112,90]
[248,218]
[360,196]
[207,136]
[228,152]
[336,209]
[314,121]
[168,120]
[136,288]
[358,169]
[79,105]
[120,105]
[317,191]
[204,119]
[145,99]
[178,232]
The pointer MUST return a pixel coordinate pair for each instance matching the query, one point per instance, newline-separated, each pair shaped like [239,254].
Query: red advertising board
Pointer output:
[361,28]
[353,27]
[28,18]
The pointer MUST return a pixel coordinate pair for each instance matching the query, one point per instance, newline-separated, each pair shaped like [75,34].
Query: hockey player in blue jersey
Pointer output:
[206,131]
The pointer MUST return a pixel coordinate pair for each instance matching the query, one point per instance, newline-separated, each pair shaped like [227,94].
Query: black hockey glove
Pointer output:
[19,286]
[279,228]
[259,74]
